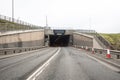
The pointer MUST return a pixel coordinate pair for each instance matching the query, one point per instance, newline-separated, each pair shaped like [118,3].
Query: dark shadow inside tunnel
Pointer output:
[59,40]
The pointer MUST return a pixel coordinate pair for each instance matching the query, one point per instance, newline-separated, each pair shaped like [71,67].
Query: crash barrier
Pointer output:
[5,51]
[109,53]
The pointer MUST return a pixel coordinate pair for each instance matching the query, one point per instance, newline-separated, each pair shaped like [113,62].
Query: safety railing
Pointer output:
[86,31]
[101,51]
[18,22]
[5,51]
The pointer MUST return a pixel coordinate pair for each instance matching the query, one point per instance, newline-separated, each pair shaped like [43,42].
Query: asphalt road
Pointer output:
[69,64]
[73,64]
[19,67]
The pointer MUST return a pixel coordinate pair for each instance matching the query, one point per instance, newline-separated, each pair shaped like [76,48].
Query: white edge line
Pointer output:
[41,68]
[103,63]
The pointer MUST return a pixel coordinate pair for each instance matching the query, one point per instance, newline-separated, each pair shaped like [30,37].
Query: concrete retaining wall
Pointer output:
[82,39]
[96,44]
[24,39]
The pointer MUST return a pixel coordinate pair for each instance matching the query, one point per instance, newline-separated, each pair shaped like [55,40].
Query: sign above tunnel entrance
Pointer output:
[59,32]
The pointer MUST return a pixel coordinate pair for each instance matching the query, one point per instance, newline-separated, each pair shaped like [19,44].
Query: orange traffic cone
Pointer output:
[108,55]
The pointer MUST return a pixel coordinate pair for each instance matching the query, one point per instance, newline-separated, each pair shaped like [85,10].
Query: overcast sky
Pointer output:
[99,15]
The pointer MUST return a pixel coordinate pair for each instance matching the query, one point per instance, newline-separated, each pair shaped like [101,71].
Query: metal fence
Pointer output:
[85,31]
[18,22]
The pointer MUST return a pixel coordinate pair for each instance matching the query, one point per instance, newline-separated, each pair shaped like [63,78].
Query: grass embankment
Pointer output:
[7,25]
[114,39]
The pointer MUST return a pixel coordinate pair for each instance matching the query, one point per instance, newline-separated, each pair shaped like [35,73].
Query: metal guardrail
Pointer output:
[102,51]
[85,31]
[117,53]
[5,51]
[112,52]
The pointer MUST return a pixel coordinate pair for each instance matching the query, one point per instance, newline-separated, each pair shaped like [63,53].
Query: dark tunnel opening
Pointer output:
[59,40]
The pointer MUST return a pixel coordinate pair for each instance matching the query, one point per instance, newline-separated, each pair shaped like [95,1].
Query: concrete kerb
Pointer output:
[104,60]
[111,65]
[108,61]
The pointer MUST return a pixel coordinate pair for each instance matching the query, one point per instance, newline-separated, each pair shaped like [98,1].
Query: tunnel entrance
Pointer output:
[59,40]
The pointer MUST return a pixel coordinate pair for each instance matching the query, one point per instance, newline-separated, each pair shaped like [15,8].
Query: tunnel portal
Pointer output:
[59,40]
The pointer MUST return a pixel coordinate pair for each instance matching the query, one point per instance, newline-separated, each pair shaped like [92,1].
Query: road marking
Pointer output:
[42,68]
[104,63]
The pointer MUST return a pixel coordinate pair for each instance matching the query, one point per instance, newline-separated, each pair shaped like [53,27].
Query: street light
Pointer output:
[46,22]
[12,10]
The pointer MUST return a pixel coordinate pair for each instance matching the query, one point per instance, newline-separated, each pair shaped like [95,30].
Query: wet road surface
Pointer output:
[69,64]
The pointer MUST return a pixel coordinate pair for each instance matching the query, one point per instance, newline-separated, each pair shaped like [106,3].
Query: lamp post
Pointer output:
[46,22]
[90,22]
[12,10]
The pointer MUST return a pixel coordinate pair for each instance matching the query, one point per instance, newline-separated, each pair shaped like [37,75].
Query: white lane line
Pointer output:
[41,68]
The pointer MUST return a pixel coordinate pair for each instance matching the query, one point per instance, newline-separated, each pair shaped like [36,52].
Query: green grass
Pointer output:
[114,39]
[7,25]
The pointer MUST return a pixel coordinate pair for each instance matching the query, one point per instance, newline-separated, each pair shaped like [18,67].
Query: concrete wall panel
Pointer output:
[25,39]
[82,40]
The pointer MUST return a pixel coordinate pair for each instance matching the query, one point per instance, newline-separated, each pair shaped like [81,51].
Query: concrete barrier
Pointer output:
[5,51]
[22,39]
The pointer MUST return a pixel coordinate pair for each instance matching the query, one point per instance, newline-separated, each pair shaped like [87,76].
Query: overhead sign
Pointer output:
[59,32]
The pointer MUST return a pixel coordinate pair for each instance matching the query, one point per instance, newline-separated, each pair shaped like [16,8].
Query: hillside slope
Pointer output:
[7,25]
[114,39]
